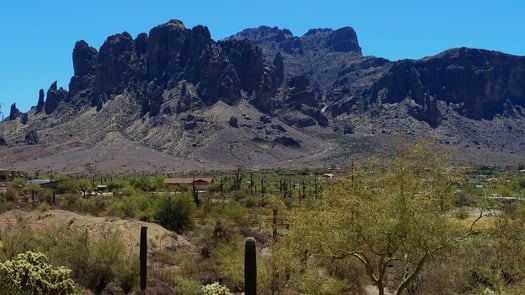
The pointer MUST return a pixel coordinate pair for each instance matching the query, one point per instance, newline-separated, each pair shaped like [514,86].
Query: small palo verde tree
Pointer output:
[388,216]
[29,273]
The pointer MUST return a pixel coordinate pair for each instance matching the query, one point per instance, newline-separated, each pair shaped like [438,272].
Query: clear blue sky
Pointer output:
[38,36]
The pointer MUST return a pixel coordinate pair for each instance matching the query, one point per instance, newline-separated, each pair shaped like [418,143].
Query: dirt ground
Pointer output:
[159,238]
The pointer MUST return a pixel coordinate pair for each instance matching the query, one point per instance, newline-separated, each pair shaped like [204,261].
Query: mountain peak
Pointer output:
[178,91]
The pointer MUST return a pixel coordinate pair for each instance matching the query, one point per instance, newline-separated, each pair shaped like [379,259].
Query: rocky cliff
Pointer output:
[249,96]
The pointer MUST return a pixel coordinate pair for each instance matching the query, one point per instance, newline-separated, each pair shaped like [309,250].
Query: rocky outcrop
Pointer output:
[31,137]
[54,97]
[233,122]
[345,40]
[247,61]
[115,68]
[340,40]
[300,92]
[14,112]
[152,64]
[319,79]
[477,83]
[85,60]
[287,141]
[40,104]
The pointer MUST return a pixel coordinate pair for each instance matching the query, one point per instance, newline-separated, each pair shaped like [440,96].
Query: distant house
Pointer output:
[201,183]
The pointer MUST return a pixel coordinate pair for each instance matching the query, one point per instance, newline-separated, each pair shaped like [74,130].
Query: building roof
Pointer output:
[188,180]
[39,181]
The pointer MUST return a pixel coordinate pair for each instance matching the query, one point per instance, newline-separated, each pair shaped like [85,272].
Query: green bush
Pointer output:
[93,263]
[127,273]
[175,213]
[114,186]
[188,286]
[76,203]
[135,206]
[215,289]
[462,212]
[250,202]
[30,273]
[521,182]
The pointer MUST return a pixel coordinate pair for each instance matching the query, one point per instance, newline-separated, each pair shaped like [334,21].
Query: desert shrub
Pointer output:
[17,185]
[521,182]
[42,207]
[215,289]
[146,184]
[333,286]
[462,212]
[238,195]
[104,261]
[11,194]
[227,260]
[135,206]
[45,195]
[214,187]
[93,262]
[175,213]
[16,241]
[30,273]
[127,274]
[232,211]
[67,185]
[5,205]
[250,202]
[188,286]
[76,203]
[114,186]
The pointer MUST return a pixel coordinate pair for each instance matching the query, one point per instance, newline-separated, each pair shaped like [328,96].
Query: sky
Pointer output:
[38,36]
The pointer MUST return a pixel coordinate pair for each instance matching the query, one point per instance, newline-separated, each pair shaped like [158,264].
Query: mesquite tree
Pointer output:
[389,216]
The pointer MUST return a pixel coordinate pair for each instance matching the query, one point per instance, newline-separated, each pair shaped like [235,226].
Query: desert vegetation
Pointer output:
[411,224]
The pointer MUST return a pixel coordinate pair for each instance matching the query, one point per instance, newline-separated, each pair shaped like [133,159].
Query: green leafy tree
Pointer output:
[495,258]
[176,213]
[391,217]
[84,186]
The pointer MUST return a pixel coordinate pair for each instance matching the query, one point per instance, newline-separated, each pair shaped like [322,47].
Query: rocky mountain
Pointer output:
[175,99]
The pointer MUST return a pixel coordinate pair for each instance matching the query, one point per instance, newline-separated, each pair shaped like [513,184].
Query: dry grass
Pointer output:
[159,238]
[484,224]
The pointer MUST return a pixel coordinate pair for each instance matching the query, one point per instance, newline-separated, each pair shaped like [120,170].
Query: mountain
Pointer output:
[174,99]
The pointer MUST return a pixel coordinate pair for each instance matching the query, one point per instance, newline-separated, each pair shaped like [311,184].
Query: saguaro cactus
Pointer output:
[143,257]
[250,267]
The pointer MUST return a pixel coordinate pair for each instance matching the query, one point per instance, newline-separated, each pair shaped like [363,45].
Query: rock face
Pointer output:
[40,103]
[274,70]
[171,53]
[176,90]
[479,83]
[54,97]
[344,39]
[14,112]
